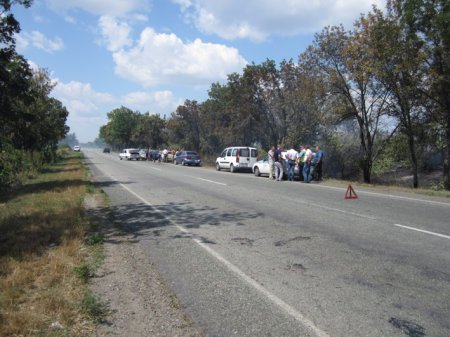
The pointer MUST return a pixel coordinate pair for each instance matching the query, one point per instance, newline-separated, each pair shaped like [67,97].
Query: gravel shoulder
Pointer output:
[140,302]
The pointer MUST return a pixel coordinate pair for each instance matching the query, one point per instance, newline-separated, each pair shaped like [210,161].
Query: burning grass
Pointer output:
[42,243]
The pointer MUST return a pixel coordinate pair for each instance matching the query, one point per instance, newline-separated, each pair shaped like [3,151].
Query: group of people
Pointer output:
[309,163]
[162,155]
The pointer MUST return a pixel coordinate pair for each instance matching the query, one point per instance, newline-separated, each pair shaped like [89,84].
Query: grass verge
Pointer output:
[47,253]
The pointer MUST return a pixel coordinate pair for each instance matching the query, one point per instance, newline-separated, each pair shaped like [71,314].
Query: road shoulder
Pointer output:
[140,302]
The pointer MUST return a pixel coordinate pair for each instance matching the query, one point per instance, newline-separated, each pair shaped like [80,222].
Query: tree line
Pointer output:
[31,122]
[372,96]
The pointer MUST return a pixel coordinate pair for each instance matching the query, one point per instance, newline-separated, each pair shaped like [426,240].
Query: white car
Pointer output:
[77,148]
[261,167]
[237,158]
[129,154]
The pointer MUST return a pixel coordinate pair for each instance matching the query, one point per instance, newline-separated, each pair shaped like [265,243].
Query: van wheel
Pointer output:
[217,167]
[257,173]
[232,170]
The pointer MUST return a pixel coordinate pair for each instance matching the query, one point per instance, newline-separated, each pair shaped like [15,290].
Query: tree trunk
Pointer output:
[367,169]
[412,151]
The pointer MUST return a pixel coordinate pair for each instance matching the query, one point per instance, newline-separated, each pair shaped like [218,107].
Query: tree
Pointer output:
[120,127]
[399,65]
[70,140]
[343,61]
[15,74]
[149,131]
[429,20]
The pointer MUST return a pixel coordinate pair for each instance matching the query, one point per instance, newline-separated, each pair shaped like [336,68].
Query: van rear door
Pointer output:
[245,157]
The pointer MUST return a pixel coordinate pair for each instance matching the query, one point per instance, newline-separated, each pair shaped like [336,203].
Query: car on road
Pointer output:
[237,158]
[187,158]
[153,154]
[261,167]
[77,148]
[143,154]
[106,150]
[129,154]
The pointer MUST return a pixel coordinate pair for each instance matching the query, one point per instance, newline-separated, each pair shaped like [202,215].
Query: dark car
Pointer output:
[187,158]
[153,155]
[106,150]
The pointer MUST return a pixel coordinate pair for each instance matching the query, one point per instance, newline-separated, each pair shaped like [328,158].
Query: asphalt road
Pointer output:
[251,257]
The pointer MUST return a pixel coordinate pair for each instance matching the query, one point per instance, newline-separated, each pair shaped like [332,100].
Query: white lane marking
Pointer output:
[273,298]
[423,231]
[390,196]
[154,168]
[212,181]
[342,211]
[279,302]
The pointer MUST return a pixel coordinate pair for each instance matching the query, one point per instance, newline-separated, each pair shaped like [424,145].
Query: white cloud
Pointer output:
[100,7]
[22,43]
[164,58]
[162,102]
[115,33]
[88,108]
[257,20]
[33,65]
[40,41]
[81,100]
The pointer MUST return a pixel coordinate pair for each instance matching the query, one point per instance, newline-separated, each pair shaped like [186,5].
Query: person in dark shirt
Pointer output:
[279,170]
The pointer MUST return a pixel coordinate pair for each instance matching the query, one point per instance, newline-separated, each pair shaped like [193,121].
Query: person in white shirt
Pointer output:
[164,155]
[291,157]
[307,164]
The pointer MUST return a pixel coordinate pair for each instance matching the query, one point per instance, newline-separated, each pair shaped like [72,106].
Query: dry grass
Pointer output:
[42,230]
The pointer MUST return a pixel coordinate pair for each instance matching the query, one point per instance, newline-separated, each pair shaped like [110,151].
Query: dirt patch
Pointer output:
[139,301]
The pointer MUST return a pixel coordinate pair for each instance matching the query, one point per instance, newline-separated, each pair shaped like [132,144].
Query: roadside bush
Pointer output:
[10,166]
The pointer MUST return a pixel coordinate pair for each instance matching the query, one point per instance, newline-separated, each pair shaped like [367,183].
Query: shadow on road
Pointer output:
[139,219]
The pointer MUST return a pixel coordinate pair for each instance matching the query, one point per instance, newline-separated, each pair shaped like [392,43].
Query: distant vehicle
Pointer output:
[106,150]
[153,155]
[187,158]
[237,158]
[77,148]
[261,167]
[143,154]
[129,154]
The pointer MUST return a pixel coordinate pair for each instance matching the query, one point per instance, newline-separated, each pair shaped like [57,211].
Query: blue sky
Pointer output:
[152,55]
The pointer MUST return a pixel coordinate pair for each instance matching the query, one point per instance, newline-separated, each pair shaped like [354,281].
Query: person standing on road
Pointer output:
[271,159]
[301,160]
[279,170]
[164,155]
[307,164]
[291,157]
[317,162]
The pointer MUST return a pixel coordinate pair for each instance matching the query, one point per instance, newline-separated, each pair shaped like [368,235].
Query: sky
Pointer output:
[152,55]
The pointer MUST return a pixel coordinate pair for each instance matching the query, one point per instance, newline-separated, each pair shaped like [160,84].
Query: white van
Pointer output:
[237,158]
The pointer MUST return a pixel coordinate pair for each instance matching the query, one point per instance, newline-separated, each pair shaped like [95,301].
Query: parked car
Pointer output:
[77,148]
[187,158]
[237,158]
[129,154]
[106,150]
[153,155]
[143,154]
[261,167]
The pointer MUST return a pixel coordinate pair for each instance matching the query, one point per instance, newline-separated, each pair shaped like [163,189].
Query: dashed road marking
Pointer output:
[212,181]
[423,231]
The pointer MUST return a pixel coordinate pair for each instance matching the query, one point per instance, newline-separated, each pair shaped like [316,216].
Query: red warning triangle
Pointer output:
[350,194]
